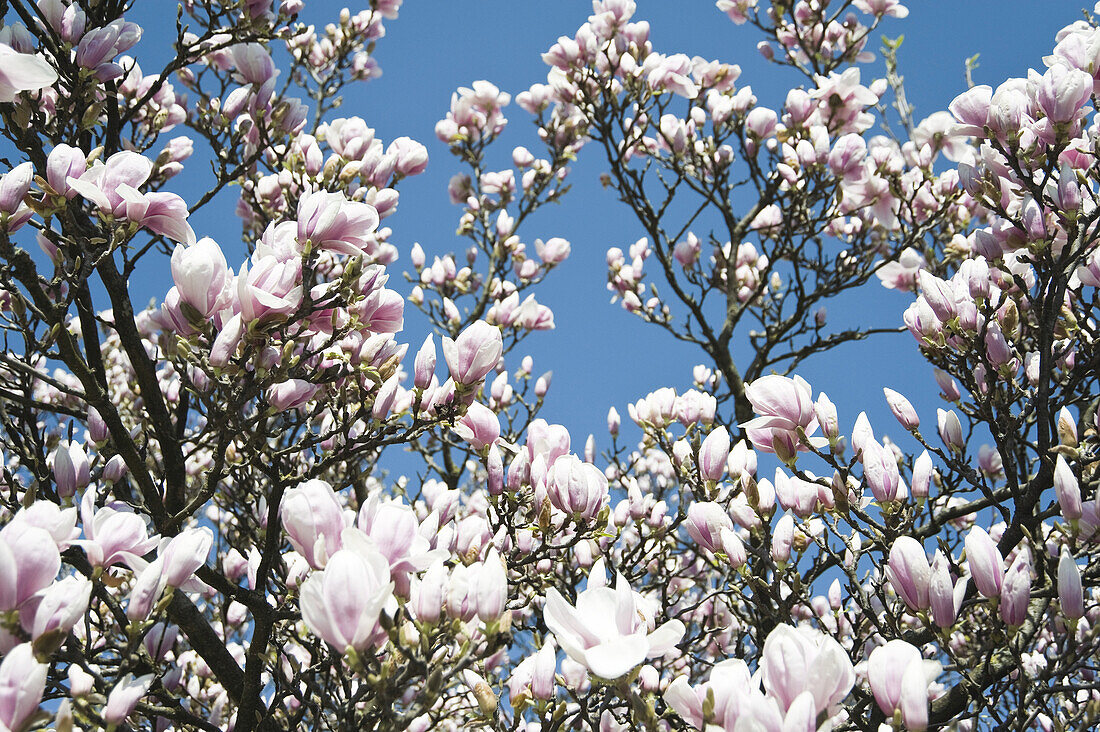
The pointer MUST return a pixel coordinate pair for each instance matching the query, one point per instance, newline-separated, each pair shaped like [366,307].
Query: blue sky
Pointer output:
[600,355]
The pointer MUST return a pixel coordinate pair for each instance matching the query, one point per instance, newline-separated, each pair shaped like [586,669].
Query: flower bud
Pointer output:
[1070,593]
[1067,490]
[713,454]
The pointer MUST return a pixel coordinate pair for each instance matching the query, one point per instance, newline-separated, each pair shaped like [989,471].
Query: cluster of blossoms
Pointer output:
[196,529]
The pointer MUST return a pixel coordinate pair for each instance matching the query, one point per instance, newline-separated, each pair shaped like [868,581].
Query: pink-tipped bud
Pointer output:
[713,454]
[941,593]
[902,409]
[1067,490]
[909,572]
[494,468]
[704,524]
[424,366]
[1070,593]
[986,566]
[922,475]
[97,428]
[950,429]
[71,468]
[613,422]
[1016,591]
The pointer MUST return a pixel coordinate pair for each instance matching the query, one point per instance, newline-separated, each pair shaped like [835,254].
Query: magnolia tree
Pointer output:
[195,530]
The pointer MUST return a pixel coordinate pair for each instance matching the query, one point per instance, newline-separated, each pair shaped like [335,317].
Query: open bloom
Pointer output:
[341,605]
[799,660]
[177,561]
[21,72]
[29,561]
[113,188]
[474,353]
[332,222]
[784,405]
[606,632]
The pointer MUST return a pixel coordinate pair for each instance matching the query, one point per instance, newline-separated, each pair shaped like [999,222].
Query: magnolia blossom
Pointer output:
[330,221]
[341,605]
[29,562]
[805,675]
[899,678]
[474,353]
[22,683]
[202,276]
[20,72]
[607,630]
[113,187]
[314,520]
[177,561]
[785,406]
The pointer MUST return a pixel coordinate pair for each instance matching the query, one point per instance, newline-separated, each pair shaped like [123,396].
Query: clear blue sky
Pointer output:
[600,355]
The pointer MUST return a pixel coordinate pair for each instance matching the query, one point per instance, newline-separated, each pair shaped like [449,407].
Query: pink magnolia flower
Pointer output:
[202,276]
[14,186]
[313,519]
[986,566]
[1070,594]
[253,63]
[22,683]
[922,476]
[1067,489]
[113,188]
[70,468]
[405,542]
[713,454]
[59,608]
[111,534]
[270,289]
[1062,92]
[944,597]
[331,222]
[784,406]
[341,604]
[950,429]
[799,660]
[576,487]
[474,353]
[1016,590]
[553,251]
[880,471]
[291,394]
[29,562]
[607,631]
[424,365]
[409,156]
[59,523]
[707,523]
[899,679]
[479,426]
[124,697]
[728,685]
[490,589]
[20,72]
[902,409]
[427,593]
[177,561]
[909,572]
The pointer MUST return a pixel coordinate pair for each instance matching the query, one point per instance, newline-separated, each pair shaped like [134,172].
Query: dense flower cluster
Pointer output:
[195,532]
